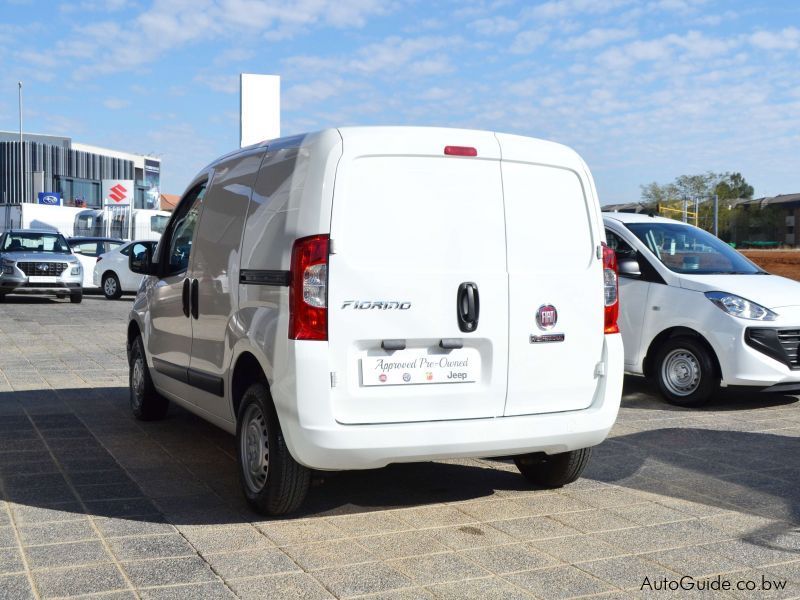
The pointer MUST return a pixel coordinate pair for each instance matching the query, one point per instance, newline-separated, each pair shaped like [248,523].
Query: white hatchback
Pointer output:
[111,272]
[696,314]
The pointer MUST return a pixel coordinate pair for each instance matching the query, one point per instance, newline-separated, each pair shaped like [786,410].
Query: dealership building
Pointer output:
[56,166]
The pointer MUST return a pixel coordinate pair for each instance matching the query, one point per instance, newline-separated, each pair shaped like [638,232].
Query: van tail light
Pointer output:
[610,290]
[308,290]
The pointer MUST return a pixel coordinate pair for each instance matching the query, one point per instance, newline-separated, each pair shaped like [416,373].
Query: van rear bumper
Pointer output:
[332,446]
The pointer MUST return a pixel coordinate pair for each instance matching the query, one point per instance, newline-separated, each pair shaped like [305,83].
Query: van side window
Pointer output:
[182,231]
[618,245]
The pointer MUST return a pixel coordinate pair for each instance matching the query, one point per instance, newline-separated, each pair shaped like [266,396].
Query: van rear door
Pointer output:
[418,238]
[556,311]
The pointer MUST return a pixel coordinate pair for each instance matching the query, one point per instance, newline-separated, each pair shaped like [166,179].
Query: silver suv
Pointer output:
[39,262]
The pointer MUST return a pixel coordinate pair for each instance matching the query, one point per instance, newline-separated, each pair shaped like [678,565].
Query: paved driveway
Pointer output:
[96,503]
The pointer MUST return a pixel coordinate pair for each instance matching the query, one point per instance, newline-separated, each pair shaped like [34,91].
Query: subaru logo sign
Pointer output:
[546,316]
[50,198]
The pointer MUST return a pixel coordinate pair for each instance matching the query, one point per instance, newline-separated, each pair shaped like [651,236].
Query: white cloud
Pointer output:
[300,95]
[495,25]
[526,42]
[171,24]
[558,9]
[786,39]
[596,37]
[395,55]
[226,84]
[116,103]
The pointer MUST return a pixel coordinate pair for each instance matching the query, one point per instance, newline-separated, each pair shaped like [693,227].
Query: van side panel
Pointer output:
[215,265]
[291,199]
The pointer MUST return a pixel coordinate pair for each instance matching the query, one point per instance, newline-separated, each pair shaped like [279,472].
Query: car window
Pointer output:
[136,249]
[180,237]
[686,249]
[126,250]
[112,246]
[31,241]
[85,248]
[618,245]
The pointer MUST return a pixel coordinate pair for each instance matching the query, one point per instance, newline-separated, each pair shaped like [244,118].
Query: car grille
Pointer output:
[32,268]
[781,344]
[790,341]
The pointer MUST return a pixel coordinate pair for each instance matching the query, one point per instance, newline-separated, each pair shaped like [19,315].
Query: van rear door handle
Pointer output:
[185,296]
[468,307]
[195,294]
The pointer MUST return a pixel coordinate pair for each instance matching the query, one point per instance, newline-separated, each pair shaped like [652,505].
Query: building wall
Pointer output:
[54,161]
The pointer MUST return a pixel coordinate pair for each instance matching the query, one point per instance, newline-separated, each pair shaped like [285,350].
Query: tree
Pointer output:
[699,190]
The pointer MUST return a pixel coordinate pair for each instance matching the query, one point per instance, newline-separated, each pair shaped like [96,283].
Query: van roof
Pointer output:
[637,218]
[352,132]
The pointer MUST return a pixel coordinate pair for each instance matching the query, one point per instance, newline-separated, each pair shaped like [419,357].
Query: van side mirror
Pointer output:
[140,260]
[629,267]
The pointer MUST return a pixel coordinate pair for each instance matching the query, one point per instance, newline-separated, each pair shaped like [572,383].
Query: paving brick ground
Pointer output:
[97,504]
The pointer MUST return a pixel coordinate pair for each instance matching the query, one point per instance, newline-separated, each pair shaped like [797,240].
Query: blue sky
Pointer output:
[644,90]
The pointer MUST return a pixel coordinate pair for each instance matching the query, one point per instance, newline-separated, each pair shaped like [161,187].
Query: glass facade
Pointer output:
[79,192]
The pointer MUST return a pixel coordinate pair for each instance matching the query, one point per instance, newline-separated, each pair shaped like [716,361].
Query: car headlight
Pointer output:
[76,270]
[741,307]
[8,267]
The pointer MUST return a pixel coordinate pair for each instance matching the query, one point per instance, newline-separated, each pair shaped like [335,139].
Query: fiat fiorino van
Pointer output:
[364,296]
[697,315]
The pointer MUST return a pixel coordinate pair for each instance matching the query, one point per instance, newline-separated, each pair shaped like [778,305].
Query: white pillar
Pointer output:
[260,108]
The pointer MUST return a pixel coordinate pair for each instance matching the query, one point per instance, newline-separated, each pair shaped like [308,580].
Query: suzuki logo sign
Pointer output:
[546,316]
[117,192]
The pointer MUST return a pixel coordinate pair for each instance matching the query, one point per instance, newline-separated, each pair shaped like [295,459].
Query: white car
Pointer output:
[111,272]
[450,296]
[696,314]
[87,249]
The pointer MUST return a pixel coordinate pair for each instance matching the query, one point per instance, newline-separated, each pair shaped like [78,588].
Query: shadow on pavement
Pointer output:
[641,394]
[80,451]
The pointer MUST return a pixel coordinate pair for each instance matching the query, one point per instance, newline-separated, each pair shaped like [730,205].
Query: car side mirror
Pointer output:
[629,267]
[140,260]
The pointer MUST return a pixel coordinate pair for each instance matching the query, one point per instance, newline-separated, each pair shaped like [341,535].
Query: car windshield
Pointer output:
[30,241]
[686,249]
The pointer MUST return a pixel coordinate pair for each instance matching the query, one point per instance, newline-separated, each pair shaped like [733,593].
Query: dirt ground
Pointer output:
[777,262]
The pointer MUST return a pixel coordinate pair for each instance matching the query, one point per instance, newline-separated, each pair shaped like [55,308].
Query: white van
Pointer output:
[697,315]
[363,296]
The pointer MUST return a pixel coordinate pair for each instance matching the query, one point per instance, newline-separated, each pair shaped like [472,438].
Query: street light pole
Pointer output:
[21,151]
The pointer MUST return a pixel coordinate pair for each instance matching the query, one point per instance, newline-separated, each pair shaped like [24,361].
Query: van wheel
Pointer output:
[76,298]
[111,287]
[272,481]
[553,470]
[685,372]
[146,403]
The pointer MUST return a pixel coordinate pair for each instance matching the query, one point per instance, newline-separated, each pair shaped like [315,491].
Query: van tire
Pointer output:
[261,448]
[111,287]
[76,298]
[553,470]
[146,403]
[675,362]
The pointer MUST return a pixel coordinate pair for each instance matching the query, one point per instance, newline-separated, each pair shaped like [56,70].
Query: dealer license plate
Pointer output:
[410,367]
[42,279]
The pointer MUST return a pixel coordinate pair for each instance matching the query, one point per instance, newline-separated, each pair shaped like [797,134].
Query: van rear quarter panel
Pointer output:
[291,199]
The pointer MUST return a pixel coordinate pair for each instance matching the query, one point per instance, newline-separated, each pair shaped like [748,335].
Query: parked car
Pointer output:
[417,310]
[696,314]
[87,249]
[37,261]
[111,272]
